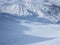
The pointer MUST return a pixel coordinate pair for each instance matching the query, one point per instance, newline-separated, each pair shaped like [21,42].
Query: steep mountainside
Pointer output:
[42,8]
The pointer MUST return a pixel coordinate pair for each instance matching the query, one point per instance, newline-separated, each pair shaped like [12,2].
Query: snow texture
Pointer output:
[43,8]
[15,30]
[29,22]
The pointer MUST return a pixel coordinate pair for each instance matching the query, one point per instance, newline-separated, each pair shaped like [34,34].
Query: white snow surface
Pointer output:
[55,2]
[39,7]
[11,33]
[47,31]
[24,32]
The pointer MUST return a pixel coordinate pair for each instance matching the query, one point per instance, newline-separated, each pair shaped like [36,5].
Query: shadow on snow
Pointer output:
[12,33]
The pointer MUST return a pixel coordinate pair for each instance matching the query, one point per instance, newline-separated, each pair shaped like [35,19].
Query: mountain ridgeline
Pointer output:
[41,10]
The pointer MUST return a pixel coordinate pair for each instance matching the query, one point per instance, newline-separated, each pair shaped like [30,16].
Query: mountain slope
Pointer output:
[15,30]
[42,8]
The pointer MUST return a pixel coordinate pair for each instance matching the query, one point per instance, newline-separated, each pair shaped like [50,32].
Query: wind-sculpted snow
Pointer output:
[12,32]
[42,8]
[15,30]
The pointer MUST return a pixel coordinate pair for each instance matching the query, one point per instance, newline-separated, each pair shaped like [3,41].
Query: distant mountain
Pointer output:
[41,8]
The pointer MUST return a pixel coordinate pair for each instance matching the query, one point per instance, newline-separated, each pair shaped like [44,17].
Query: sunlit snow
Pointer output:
[29,22]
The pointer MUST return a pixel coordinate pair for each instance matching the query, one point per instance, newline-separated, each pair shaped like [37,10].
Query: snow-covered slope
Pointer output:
[42,8]
[55,2]
[17,31]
